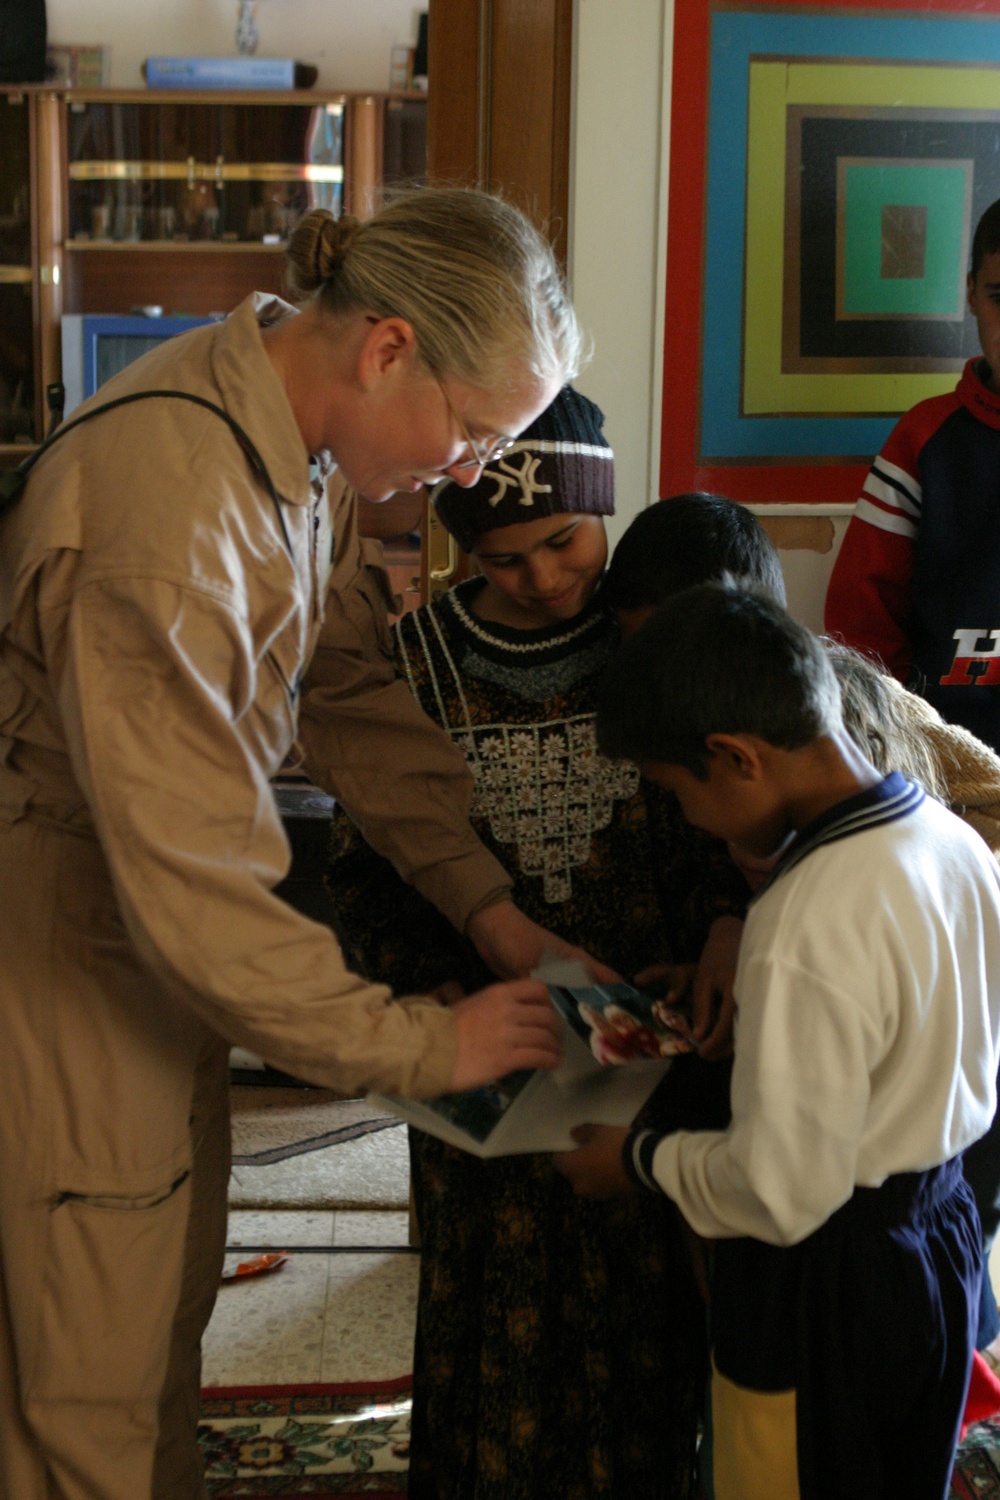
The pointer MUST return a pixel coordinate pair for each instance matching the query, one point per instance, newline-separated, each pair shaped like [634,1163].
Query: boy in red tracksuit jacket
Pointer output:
[917,581]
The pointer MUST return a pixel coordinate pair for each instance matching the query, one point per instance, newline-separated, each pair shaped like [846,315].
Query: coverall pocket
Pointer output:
[109,1287]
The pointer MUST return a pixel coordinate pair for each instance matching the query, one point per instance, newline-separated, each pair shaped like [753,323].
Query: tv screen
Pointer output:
[96,346]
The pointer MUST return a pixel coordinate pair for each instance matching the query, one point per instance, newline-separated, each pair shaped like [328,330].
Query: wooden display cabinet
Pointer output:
[111,200]
[20,413]
[186,202]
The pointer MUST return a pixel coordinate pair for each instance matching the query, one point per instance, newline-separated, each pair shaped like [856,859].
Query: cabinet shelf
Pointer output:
[277,98]
[195,171]
[171,247]
[16,275]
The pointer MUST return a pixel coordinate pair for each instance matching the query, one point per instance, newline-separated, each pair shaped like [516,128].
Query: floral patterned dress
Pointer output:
[560,1342]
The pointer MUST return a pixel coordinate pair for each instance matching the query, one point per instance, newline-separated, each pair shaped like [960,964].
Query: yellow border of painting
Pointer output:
[774,84]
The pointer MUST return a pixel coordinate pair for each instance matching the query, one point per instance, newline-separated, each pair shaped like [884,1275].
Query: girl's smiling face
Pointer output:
[540,572]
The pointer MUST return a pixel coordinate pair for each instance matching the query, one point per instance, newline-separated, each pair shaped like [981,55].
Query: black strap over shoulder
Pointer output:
[14,480]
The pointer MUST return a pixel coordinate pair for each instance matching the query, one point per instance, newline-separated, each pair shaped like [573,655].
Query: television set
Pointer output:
[96,346]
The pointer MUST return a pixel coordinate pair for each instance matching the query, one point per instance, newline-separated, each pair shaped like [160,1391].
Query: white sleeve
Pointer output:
[800,1094]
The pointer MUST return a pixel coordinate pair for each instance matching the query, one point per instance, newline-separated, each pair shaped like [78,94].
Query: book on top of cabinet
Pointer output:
[227,73]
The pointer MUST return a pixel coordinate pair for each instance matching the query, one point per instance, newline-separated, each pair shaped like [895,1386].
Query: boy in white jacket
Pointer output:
[846,1270]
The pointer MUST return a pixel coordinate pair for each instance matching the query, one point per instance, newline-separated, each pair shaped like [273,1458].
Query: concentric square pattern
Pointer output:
[872,146]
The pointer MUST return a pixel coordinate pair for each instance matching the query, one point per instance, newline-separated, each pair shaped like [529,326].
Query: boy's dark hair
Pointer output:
[716,659]
[986,240]
[687,540]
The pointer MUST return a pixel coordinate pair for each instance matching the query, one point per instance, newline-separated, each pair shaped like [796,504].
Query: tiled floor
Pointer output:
[344,1312]
[340,1309]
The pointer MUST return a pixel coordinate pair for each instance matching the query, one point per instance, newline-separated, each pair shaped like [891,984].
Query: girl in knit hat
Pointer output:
[559,1342]
[534,521]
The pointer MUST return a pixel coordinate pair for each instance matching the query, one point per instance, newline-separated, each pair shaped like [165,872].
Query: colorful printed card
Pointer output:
[527,1112]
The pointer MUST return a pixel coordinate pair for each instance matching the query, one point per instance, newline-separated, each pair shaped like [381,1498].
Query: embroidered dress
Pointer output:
[560,1341]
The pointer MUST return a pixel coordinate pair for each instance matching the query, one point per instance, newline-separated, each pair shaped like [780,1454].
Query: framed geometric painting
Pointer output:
[827,169]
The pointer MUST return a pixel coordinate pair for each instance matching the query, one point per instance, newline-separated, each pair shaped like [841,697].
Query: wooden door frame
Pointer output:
[498,117]
[499,90]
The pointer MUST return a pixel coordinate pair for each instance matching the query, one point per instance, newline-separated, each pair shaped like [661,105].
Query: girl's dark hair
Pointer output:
[687,540]
[717,659]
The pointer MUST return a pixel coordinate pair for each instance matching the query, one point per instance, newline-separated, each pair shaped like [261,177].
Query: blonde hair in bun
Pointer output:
[319,244]
[475,280]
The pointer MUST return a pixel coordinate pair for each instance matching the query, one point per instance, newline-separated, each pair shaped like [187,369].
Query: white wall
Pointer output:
[617,263]
[617,217]
[348,40]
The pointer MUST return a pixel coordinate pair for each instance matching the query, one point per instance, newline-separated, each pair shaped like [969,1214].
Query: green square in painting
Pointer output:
[903,229]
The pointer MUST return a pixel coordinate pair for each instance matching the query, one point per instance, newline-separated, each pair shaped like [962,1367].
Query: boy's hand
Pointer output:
[501,1029]
[671,981]
[595,1168]
[512,944]
[713,1000]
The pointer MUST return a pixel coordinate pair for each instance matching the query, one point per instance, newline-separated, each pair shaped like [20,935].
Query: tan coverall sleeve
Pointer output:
[158,688]
[366,739]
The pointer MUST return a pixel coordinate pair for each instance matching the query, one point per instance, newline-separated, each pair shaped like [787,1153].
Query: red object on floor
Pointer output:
[260,1265]
[983,1399]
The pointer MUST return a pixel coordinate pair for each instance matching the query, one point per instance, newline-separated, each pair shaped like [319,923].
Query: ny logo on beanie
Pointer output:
[507,477]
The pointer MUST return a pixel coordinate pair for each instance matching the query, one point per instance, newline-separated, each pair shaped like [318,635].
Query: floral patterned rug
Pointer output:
[319,1441]
[349,1442]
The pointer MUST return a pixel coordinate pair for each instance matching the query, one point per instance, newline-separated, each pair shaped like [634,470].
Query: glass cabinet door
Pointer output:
[404,143]
[171,173]
[18,416]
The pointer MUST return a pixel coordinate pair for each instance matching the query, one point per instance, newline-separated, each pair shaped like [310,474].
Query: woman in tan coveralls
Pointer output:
[157,612]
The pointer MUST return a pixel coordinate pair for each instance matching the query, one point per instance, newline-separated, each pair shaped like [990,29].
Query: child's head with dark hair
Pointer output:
[683,541]
[986,240]
[716,659]
[984,292]
[723,699]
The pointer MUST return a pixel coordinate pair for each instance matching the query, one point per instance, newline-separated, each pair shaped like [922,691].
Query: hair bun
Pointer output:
[333,242]
[317,247]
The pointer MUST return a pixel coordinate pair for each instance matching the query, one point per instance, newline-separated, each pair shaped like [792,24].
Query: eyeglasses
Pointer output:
[480,458]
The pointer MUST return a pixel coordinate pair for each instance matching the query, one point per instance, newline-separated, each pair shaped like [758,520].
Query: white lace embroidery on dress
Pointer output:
[545,788]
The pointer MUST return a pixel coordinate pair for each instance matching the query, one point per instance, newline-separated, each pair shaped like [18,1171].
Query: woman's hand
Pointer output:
[503,1028]
[595,1169]
[713,1002]
[511,944]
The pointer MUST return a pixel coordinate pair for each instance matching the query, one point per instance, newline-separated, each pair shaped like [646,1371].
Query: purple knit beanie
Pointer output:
[562,462]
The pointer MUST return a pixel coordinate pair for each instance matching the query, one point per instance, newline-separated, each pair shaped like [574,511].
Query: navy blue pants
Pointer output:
[872,1322]
[981,1165]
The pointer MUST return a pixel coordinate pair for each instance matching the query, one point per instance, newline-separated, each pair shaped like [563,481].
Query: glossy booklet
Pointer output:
[617,1045]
